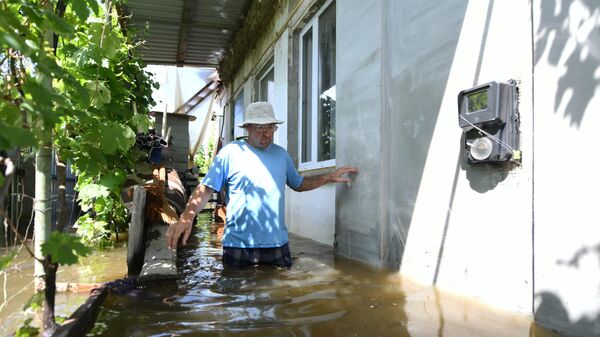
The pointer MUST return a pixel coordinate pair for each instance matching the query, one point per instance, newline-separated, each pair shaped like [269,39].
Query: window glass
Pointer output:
[306,119]
[266,87]
[238,116]
[317,107]
[326,114]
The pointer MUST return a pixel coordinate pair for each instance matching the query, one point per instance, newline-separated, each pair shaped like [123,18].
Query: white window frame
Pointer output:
[236,132]
[262,75]
[314,108]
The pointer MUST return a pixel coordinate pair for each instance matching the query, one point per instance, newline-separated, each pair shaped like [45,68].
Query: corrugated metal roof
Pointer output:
[184,32]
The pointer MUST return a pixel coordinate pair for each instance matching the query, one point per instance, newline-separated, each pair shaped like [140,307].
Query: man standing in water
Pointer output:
[254,173]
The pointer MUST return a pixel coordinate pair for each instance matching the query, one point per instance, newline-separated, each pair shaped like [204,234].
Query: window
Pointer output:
[238,116]
[317,90]
[266,83]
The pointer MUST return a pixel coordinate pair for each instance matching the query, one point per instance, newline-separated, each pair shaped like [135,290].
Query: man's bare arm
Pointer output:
[197,201]
[312,182]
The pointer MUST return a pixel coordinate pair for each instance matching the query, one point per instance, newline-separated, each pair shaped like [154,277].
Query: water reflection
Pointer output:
[16,285]
[319,296]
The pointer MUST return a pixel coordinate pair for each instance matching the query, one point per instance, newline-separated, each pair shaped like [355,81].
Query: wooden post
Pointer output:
[163,131]
[135,243]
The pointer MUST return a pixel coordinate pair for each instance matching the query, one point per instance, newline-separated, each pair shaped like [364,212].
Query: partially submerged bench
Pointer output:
[148,257]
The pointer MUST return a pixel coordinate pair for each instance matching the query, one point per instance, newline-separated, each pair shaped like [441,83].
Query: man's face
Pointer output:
[261,135]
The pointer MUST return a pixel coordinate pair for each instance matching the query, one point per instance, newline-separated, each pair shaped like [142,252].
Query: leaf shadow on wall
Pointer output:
[561,23]
[551,311]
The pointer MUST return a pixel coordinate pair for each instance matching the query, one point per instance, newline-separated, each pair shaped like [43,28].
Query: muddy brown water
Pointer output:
[16,284]
[321,295]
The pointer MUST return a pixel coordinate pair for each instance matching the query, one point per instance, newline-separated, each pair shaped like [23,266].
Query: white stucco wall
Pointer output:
[464,228]
[524,238]
[567,215]
[470,230]
[311,214]
[358,128]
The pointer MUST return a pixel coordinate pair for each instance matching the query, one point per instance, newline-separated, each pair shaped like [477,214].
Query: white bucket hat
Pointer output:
[260,113]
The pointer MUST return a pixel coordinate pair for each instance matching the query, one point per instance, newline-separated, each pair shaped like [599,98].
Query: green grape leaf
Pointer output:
[88,193]
[111,43]
[82,58]
[6,258]
[26,330]
[10,114]
[81,95]
[59,25]
[99,93]
[10,22]
[64,248]
[95,32]
[35,302]
[50,67]
[141,122]
[103,206]
[114,137]
[80,8]
[94,6]
[89,161]
[41,94]
[11,136]
[16,42]
[113,181]
[33,14]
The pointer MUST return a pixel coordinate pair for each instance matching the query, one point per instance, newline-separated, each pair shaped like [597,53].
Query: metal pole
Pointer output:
[43,202]
[43,187]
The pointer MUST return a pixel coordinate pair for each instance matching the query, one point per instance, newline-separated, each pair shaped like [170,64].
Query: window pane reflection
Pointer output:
[267,87]
[306,95]
[326,116]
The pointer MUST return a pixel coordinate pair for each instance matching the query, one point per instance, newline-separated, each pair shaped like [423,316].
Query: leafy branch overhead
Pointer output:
[69,77]
[86,89]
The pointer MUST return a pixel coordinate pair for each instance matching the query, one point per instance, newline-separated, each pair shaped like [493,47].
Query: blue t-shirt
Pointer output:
[255,180]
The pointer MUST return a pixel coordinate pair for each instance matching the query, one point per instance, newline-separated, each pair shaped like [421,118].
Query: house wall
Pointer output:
[522,238]
[459,218]
[566,180]
[416,205]
[359,227]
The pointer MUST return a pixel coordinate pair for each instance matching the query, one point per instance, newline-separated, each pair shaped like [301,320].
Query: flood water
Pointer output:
[17,287]
[319,296]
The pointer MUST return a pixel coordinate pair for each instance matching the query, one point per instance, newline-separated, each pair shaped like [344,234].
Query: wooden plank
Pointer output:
[159,260]
[135,241]
[189,7]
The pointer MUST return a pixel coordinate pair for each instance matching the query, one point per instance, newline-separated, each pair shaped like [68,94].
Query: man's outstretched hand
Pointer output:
[336,176]
[312,182]
[175,231]
[183,226]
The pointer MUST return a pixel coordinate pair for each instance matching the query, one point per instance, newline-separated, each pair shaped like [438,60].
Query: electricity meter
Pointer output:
[489,117]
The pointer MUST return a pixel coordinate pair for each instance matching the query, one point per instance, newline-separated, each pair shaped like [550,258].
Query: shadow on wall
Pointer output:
[418,64]
[552,313]
[560,21]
